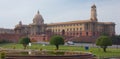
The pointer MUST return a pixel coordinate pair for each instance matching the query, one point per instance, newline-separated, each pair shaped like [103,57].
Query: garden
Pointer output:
[111,52]
[57,47]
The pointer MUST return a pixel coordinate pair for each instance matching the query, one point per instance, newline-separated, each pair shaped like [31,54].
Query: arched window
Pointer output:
[63,32]
[80,29]
[87,26]
[80,33]
[86,33]
[76,33]
[58,30]
[67,29]
[77,29]
[70,29]
[94,34]
[73,29]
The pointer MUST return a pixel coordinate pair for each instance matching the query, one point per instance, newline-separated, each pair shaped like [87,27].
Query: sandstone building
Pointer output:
[4,30]
[79,30]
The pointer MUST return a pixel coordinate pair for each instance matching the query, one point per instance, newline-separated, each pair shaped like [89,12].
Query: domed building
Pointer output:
[38,26]
[78,31]
[35,28]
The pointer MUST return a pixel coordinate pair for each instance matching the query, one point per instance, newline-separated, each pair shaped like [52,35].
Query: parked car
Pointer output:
[70,43]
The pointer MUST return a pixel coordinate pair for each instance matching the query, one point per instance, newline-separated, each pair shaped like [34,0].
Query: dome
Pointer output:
[93,6]
[19,25]
[38,19]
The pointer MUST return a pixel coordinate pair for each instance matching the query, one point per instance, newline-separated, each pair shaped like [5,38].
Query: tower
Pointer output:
[20,23]
[93,13]
[18,28]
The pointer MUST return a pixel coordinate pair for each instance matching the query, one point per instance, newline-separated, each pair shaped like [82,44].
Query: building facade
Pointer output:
[79,31]
[4,30]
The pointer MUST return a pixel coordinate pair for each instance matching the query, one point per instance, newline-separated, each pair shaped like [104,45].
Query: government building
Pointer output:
[78,31]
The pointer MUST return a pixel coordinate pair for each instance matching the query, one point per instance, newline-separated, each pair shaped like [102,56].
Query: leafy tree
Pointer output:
[103,42]
[57,40]
[25,41]
[116,40]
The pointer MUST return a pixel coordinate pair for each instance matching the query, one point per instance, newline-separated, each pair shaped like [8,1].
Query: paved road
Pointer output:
[93,45]
[84,44]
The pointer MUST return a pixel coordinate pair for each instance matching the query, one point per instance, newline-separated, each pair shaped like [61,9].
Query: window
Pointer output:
[93,33]
[52,30]
[77,29]
[73,34]
[58,30]
[63,32]
[73,29]
[67,29]
[70,33]
[80,33]
[77,24]
[80,24]
[80,29]
[76,33]
[86,33]
[70,29]
[87,26]
[67,33]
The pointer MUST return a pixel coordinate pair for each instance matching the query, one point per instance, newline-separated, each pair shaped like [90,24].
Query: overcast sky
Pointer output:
[13,11]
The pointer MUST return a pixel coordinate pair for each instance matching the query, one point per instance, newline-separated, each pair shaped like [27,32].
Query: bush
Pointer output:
[2,55]
[57,40]
[4,41]
[103,42]
[25,41]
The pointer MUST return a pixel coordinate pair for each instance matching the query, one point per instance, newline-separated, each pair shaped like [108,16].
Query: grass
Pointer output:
[111,52]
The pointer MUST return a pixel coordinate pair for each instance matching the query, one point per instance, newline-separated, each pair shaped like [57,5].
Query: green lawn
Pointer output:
[111,52]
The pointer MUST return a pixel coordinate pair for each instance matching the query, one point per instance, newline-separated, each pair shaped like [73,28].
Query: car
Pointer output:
[70,43]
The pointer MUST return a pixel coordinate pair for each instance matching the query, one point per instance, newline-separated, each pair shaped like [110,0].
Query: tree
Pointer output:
[103,42]
[116,40]
[57,40]
[25,41]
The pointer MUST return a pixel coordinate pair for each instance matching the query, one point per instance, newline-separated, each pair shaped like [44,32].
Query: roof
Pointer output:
[107,23]
[80,21]
[71,22]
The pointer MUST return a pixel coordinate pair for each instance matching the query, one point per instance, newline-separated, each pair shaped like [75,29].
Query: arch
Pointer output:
[94,33]
[63,32]
[86,33]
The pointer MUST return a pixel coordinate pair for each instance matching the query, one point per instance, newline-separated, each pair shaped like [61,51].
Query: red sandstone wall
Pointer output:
[10,37]
[37,38]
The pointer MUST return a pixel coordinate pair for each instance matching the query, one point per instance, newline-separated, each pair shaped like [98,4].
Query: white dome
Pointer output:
[38,19]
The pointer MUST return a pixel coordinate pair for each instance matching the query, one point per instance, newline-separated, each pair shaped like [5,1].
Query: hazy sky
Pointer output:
[13,11]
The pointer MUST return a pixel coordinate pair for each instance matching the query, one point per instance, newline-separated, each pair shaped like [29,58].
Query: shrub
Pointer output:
[103,42]
[2,55]
[57,40]
[25,41]
[4,41]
